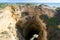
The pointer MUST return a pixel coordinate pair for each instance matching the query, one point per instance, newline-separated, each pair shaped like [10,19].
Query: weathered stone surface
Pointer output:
[22,22]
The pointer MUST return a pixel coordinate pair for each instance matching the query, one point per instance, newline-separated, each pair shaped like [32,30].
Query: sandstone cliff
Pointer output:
[19,23]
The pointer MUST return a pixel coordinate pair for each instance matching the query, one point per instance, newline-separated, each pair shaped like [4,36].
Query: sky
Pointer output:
[34,1]
[48,2]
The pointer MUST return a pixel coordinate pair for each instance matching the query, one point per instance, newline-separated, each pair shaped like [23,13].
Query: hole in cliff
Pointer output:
[28,31]
[31,32]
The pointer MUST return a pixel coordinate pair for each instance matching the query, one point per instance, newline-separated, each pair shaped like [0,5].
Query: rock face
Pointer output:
[49,11]
[8,19]
[22,22]
[7,25]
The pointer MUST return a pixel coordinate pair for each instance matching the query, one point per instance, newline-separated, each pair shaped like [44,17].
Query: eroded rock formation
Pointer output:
[22,22]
